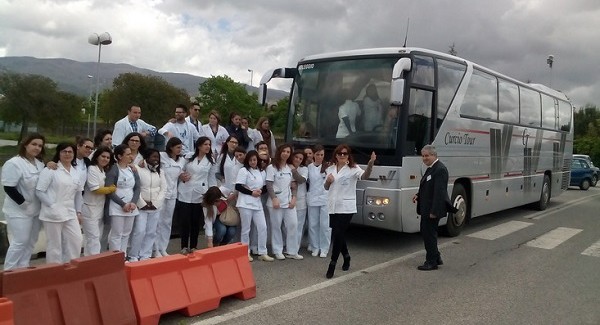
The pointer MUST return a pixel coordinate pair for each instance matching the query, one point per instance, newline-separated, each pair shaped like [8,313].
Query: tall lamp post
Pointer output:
[550,61]
[89,104]
[95,39]
[251,76]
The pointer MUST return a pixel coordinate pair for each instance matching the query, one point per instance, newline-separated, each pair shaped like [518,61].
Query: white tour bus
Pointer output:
[505,143]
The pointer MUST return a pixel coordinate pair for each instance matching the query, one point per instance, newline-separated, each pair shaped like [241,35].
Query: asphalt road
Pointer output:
[515,267]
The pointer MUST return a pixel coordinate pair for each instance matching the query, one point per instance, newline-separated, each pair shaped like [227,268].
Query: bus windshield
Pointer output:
[344,101]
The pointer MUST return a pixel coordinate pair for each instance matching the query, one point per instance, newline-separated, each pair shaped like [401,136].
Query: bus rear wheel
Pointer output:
[456,221]
[545,195]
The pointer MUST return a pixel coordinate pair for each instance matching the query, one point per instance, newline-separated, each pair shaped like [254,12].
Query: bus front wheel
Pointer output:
[456,221]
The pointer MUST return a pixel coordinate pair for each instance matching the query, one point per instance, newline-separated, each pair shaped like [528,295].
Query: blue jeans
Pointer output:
[222,234]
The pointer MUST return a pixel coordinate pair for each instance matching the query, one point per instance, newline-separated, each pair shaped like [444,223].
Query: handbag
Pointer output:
[230,217]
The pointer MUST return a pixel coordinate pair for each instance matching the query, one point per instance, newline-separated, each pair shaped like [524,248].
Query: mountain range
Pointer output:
[78,77]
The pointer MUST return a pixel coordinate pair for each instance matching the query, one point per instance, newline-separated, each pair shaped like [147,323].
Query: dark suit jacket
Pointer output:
[433,192]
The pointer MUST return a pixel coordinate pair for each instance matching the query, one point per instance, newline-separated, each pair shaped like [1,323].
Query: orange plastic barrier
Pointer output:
[192,284]
[6,312]
[88,290]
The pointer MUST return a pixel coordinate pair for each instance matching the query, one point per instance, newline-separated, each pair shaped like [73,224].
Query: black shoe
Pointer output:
[346,265]
[427,267]
[439,261]
[330,270]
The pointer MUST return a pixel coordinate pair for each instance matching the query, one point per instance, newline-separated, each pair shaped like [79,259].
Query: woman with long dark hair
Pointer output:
[137,145]
[94,197]
[60,192]
[341,180]
[21,206]
[171,163]
[201,168]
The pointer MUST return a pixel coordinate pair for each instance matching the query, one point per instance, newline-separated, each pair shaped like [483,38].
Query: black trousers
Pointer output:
[339,223]
[429,231]
[191,218]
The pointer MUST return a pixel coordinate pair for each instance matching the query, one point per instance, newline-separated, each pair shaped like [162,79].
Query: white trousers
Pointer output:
[165,221]
[144,234]
[120,229]
[250,217]
[319,233]
[63,241]
[24,232]
[93,226]
[289,218]
[301,221]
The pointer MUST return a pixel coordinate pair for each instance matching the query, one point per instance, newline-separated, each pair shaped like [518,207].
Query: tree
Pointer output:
[279,116]
[224,95]
[34,99]
[154,95]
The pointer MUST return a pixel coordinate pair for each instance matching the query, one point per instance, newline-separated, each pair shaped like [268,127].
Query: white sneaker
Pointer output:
[323,255]
[250,258]
[266,258]
[315,253]
[296,257]
[279,256]
[132,259]
[164,253]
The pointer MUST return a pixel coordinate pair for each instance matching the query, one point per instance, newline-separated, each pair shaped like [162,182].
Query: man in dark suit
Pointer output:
[432,204]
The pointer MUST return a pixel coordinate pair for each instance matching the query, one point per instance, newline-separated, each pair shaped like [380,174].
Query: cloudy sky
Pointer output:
[216,37]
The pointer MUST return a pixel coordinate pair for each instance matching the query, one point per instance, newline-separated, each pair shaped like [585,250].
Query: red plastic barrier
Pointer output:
[88,290]
[6,312]
[192,284]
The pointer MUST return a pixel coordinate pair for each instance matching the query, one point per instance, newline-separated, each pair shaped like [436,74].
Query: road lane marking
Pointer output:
[593,250]
[500,230]
[560,208]
[553,238]
[322,285]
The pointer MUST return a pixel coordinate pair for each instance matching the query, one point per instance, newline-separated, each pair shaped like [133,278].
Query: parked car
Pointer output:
[596,176]
[582,173]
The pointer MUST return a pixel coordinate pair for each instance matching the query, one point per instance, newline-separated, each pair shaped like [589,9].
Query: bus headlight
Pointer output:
[378,200]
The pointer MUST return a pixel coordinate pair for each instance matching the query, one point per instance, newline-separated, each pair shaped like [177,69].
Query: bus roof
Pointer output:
[406,50]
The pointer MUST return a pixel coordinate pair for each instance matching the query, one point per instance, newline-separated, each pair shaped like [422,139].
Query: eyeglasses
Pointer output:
[233,142]
[67,152]
[133,140]
[343,154]
[89,147]
[179,112]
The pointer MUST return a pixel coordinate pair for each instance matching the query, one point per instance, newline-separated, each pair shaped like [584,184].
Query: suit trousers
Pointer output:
[429,231]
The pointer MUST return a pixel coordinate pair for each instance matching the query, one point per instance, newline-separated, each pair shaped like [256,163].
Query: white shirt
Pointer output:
[125,185]
[282,181]
[172,170]
[253,179]
[19,172]
[216,140]
[317,194]
[255,137]
[123,128]
[61,185]
[230,171]
[351,110]
[95,179]
[82,169]
[189,120]
[153,187]
[202,174]
[186,132]
[373,113]
[301,191]
[342,192]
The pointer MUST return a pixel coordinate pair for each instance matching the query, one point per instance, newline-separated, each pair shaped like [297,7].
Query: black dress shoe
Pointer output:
[330,270]
[427,267]
[439,261]
[346,265]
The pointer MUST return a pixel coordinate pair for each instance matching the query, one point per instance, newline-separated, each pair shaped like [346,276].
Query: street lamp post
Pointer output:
[550,61]
[251,76]
[89,104]
[95,39]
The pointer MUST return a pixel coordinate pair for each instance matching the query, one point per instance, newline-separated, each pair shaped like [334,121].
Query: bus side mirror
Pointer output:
[397,92]
[262,94]
[398,82]
[287,73]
